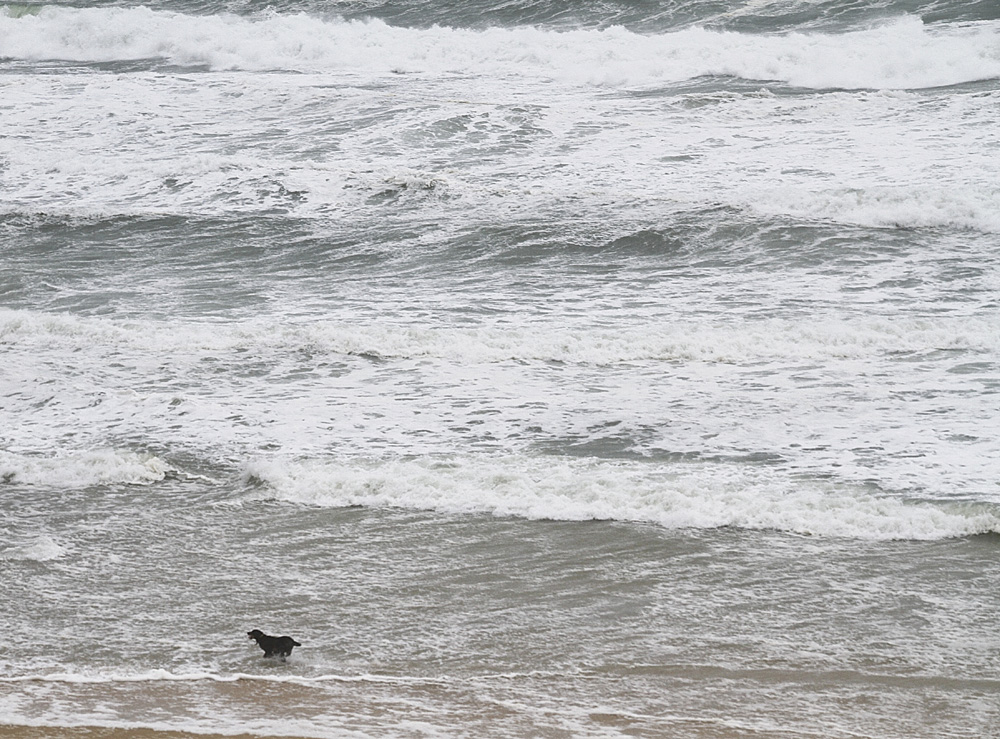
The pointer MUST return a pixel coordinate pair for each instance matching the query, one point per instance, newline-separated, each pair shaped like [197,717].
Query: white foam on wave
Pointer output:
[480,137]
[880,206]
[75,469]
[41,548]
[690,495]
[736,342]
[716,387]
[901,54]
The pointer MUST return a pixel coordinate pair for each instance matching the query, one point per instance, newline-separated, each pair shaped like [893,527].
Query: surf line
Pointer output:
[165,676]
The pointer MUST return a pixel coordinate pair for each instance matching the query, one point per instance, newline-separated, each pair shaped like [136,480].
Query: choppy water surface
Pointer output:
[578,369]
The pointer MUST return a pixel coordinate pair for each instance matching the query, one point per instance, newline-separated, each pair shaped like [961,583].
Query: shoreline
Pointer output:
[14,731]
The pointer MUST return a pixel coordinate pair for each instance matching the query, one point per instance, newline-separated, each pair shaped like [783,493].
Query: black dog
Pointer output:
[273,646]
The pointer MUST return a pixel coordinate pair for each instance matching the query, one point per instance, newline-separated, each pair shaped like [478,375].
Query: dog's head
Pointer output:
[256,634]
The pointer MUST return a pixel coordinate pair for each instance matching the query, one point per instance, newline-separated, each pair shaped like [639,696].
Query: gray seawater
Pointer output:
[546,369]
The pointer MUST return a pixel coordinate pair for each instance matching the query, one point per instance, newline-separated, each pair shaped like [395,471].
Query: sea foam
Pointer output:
[900,54]
[730,342]
[690,495]
[41,548]
[82,468]
[95,677]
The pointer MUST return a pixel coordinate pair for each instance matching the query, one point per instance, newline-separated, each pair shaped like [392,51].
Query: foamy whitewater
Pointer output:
[546,369]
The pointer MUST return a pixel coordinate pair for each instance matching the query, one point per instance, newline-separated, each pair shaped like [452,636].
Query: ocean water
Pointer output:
[555,369]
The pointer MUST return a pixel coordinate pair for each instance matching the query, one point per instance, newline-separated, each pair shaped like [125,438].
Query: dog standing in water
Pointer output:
[273,646]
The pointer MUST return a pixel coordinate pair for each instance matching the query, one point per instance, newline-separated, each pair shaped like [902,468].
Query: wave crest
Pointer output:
[737,342]
[694,495]
[41,548]
[902,54]
[81,469]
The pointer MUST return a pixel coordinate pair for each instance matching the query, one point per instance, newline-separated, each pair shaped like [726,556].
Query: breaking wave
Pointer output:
[739,342]
[81,469]
[901,54]
[693,495]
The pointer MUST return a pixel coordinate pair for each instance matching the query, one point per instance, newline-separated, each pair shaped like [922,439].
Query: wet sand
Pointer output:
[100,732]
[691,730]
